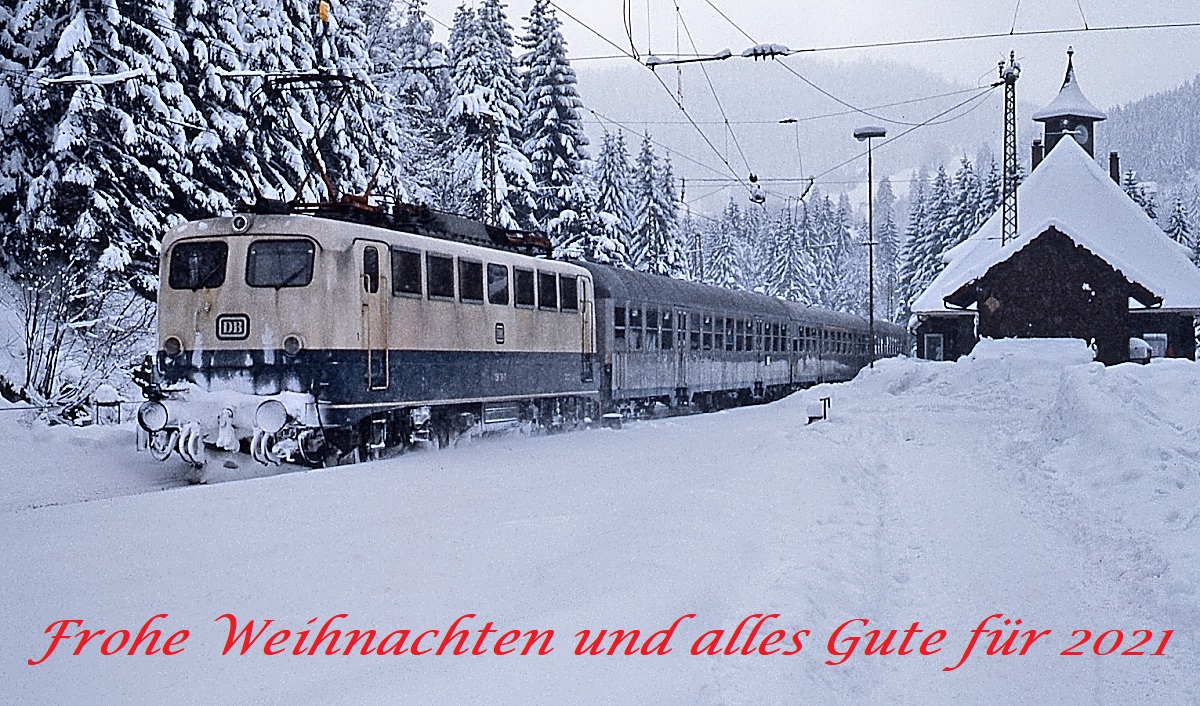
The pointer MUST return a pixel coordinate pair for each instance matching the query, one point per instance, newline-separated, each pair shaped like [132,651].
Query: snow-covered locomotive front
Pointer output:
[305,338]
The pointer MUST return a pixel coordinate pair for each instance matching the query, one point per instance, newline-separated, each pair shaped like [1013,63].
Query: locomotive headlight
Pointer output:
[172,346]
[153,416]
[271,416]
[292,345]
[241,223]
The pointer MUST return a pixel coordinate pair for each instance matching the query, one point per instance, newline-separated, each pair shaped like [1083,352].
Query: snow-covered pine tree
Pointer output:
[964,212]
[911,260]
[887,252]
[722,264]
[214,169]
[278,35]
[655,249]
[554,138]
[1177,225]
[486,109]
[1137,191]
[789,264]
[614,190]
[98,198]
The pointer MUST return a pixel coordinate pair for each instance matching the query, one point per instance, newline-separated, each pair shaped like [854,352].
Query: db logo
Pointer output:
[233,327]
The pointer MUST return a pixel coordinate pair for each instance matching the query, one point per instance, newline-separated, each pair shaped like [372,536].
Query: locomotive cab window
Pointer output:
[470,281]
[568,289]
[406,272]
[440,273]
[497,284]
[198,265]
[280,263]
[547,291]
[524,281]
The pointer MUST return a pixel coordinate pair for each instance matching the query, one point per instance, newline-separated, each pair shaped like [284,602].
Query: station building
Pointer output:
[1086,262]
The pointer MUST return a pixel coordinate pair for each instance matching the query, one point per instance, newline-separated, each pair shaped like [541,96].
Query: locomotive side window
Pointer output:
[568,289]
[371,269]
[440,272]
[470,281]
[198,265]
[497,284]
[280,263]
[547,291]
[406,272]
[524,280]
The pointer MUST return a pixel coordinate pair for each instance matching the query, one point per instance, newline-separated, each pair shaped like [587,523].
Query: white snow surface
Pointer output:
[1022,480]
[1071,192]
[1070,101]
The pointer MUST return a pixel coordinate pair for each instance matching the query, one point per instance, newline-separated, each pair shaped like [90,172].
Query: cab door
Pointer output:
[372,261]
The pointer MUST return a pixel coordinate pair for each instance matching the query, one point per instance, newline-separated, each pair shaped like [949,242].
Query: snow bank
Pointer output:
[1023,480]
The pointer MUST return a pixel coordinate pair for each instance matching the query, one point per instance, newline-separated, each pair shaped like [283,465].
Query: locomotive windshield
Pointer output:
[198,265]
[279,263]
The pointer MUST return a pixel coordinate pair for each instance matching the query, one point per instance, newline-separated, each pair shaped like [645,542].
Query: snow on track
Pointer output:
[1022,481]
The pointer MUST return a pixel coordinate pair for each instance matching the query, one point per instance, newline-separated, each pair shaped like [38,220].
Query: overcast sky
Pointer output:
[1114,67]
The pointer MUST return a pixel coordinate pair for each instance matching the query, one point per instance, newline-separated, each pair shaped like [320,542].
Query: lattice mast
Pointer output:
[1009,74]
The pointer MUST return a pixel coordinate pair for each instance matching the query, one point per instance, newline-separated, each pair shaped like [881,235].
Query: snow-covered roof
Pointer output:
[1069,101]
[1070,192]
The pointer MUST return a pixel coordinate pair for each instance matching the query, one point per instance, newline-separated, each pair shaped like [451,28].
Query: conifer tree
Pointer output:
[614,192]
[887,252]
[655,249]
[554,139]
[1177,225]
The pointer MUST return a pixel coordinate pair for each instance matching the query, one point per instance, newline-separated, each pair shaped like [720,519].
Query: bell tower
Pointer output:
[1070,113]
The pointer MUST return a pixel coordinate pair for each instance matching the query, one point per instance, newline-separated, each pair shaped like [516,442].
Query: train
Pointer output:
[332,335]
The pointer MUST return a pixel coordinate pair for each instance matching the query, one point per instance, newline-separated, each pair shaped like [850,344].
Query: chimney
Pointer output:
[1038,153]
[1114,166]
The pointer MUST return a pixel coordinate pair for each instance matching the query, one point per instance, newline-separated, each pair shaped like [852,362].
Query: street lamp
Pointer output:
[867,133]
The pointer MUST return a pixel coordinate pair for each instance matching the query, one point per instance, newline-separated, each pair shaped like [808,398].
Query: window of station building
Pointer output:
[280,263]
[524,287]
[635,329]
[651,329]
[708,328]
[547,291]
[568,290]
[668,330]
[729,335]
[497,284]
[198,265]
[406,272]
[439,271]
[619,323]
[470,281]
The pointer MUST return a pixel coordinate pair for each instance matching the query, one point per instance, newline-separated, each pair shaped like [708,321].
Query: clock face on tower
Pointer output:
[1081,134]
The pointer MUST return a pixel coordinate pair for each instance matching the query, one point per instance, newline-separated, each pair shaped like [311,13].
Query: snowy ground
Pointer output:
[1022,481]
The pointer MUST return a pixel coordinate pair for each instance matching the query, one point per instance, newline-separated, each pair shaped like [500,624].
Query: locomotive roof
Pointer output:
[614,283]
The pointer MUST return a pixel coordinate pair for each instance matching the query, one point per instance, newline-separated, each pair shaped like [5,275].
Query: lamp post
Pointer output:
[867,133]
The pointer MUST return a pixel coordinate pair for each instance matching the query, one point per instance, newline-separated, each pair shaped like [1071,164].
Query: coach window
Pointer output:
[198,265]
[739,333]
[470,281]
[708,336]
[652,329]
[547,291]
[524,287]
[619,323]
[568,292]
[681,322]
[406,272]
[439,270]
[729,338]
[497,283]
[775,337]
[280,263]
[668,330]
[635,328]
[695,331]
[718,334]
